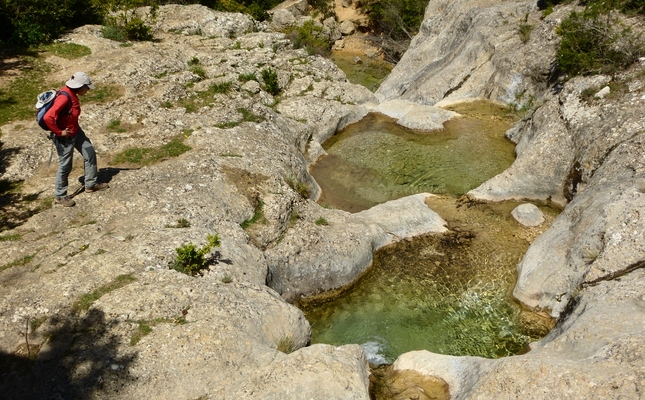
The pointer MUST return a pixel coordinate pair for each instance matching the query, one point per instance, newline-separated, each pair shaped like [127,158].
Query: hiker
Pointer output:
[62,120]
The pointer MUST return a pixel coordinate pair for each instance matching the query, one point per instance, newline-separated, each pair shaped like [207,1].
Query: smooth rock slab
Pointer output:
[415,116]
[311,259]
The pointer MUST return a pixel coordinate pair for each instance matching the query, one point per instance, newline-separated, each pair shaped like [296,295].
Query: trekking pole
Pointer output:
[51,150]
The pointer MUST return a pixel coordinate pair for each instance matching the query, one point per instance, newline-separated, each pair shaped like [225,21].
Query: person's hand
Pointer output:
[65,133]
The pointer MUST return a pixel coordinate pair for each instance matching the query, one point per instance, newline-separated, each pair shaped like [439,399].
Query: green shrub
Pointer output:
[220,88]
[191,260]
[255,8]
[310,37]
[270,78]
[258,216]
[397,19]
[124,23]
[247,77]
[321,221]
[303,189]
[324,7]
[199,71]
[525,32]
[595,41]
[115,126]
[33,22]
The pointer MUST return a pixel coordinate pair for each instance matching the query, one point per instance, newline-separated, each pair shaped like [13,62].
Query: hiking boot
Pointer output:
[97,187]
[65,201]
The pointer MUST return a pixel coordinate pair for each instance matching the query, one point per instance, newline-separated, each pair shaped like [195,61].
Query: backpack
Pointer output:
[45,101]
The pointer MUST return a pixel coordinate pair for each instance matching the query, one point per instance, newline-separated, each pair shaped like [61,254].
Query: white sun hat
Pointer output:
[78,80]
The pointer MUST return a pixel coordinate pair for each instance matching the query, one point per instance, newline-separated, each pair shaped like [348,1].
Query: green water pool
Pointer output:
[448,293]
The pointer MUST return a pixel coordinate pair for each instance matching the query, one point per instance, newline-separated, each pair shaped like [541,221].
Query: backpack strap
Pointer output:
[69,101]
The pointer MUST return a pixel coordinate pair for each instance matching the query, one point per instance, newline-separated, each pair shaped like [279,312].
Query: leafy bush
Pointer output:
[255,8]
[247,77]
[270,78]
[322,221]
[525,32]
[325,7]
[123,22]
[301,188]
[595,41]
[310,37]
[191,260]
[32,22]
[397,19]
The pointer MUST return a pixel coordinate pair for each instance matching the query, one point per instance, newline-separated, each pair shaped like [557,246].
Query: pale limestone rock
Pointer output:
[331,29]
[297,8]
[295,265]
[415,116]
[470,49]
[316,372]
[528,215]
[234,322]
[252,87]
[602,93]
[546,167]
[201,20]
[282,19]
[347,27]
[587,268]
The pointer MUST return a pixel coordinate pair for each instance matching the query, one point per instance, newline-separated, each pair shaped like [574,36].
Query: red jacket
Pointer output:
[57,120]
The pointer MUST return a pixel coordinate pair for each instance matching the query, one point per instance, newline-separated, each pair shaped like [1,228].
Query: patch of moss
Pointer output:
[70,51]
[86,300]
[148,155]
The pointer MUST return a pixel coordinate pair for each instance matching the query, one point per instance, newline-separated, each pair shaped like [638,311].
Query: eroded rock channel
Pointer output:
[448,293]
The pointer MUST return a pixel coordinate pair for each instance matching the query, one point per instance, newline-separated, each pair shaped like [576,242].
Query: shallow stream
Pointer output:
[448,293]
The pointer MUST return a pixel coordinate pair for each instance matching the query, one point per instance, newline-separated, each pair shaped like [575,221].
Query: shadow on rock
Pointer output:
[106,174]
[6,154]
[78,360]
[16,208]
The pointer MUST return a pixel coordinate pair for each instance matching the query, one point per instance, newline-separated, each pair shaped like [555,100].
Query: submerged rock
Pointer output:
[415,116]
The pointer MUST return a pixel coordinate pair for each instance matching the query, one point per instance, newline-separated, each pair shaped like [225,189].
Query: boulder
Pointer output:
[347,27]
[348,242]
[297,8]
[415,116]
[528,215]
[467,50]
[282,19]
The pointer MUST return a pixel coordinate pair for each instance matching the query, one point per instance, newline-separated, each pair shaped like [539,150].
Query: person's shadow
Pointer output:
[80,359]
[105,175]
